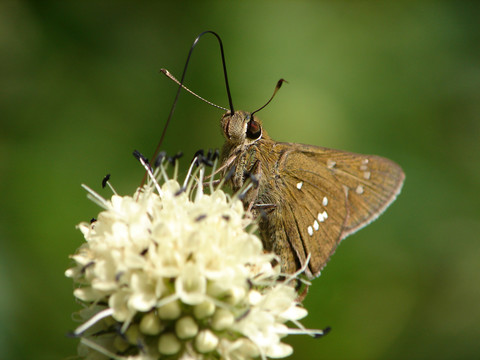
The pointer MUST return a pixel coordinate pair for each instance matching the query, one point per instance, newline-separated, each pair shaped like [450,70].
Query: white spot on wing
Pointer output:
[316,225]
[299,185]
[366,175]
[325,201]
[365,161]
[310,230]
[359,190]
[331,164]
[322,216]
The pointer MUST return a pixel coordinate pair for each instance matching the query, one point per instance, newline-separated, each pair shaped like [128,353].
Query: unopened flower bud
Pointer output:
[206,308]
[222,319]
[170,311]
[150,324]
[168,344]
[133,334]
[206,341]
[186,327]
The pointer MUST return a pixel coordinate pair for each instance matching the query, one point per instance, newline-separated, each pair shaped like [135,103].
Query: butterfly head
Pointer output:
[241,127]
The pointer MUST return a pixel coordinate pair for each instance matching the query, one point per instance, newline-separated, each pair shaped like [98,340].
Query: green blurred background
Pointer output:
[80,89]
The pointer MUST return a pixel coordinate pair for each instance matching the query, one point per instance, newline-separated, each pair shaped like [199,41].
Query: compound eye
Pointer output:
[254,130]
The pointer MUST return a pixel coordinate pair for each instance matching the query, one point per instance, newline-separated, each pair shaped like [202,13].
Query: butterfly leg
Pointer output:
[252,176]
[264,209]
[251,204]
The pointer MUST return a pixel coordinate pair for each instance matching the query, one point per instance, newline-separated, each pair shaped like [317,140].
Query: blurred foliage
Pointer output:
[80,90]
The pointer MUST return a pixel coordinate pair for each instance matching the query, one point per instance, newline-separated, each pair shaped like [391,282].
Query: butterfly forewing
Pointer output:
[331,195]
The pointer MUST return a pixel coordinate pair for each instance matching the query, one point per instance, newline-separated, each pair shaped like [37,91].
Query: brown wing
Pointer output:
[331,194]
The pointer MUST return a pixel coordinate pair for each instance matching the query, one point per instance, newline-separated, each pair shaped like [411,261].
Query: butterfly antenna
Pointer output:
[173,78]
[183,78]
[279,85]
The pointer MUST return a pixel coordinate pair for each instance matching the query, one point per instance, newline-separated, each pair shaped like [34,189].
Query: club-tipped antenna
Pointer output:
[279,85]
[174,79]
[183,78]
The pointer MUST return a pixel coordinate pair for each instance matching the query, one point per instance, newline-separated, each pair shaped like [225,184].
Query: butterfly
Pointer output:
[307,198]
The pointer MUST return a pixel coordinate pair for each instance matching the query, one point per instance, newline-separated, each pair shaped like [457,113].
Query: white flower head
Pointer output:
[174,271]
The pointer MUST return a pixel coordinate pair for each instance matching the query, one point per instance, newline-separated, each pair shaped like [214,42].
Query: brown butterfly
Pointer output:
[310,197]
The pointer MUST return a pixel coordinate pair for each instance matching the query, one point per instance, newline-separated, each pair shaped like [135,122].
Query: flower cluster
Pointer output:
[175,272]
